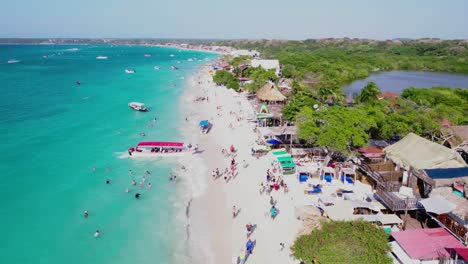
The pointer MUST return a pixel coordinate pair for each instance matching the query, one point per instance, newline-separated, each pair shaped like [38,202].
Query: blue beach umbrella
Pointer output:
[203,123]
[274,142]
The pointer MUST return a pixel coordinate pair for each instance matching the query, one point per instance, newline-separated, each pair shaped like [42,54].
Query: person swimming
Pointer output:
[85,214]
[97,233]
[107,181]
[149,185]
[137,195]
[133,182]
[127,190]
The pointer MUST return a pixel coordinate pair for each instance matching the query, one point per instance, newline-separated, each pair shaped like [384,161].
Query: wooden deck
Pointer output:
[385,189]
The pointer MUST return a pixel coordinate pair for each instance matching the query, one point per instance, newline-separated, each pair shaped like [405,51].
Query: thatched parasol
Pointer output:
[270,93]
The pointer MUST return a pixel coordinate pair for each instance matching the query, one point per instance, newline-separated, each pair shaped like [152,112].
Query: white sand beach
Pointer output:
[215,236]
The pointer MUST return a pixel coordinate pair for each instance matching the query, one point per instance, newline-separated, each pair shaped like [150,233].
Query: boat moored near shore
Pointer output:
[130,71]
[161,149]
[138,106]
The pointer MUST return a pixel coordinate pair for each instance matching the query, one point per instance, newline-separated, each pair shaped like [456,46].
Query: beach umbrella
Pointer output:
[274,142]
[203,123]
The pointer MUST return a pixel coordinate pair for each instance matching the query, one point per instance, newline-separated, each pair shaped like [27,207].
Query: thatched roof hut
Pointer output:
[270,93]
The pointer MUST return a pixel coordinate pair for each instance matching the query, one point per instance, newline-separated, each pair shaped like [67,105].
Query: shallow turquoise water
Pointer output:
[54,132]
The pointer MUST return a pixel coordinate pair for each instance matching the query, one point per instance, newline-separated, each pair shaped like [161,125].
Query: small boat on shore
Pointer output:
[101,58]
[138,106]
[12,61]
[161,149]
[130,71]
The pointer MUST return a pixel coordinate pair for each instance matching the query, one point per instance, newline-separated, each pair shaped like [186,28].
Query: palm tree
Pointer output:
[369,92]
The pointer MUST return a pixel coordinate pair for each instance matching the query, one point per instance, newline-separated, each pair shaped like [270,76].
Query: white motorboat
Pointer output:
[101,58]
[138,106]
[130,71]
[147,55]
[12,61]
[157,68]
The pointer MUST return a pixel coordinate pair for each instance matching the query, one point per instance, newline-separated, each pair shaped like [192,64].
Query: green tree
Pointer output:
[338,128]
[369,93]
[343,242]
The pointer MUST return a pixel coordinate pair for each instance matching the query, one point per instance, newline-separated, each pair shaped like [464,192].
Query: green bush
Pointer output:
[343,242]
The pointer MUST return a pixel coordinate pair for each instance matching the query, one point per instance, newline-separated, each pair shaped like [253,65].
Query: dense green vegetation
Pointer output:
[343,242]
[223,77]
[447,103]
[319,68]
[323,66]
[341,128]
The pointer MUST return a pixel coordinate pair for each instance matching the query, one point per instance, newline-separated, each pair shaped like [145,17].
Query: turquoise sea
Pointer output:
[53,133]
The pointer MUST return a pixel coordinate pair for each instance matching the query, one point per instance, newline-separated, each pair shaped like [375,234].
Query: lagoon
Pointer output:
[397,81]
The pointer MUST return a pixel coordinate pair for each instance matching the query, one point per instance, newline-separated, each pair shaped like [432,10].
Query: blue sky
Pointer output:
[287,19]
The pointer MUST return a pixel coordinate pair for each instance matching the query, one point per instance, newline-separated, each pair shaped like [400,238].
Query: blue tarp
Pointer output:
[204,123]
[447,173]
[273,142]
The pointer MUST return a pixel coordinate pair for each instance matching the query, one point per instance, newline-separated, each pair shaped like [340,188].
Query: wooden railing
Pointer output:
[395,203]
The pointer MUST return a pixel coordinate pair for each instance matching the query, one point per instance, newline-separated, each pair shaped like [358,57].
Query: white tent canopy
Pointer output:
[420,153]
[437,205]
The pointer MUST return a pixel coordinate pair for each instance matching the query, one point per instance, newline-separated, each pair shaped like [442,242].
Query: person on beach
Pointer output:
[97,233]
[249,228]
[217,173]
[281,246]
[262,188]
[175,179]
[273,212]
[133,182]
[272,201]
[244,164]
[249,246]
[85,214]
[213,174]
[234,211]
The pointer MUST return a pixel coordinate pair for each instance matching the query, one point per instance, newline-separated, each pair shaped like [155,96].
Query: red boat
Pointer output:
[161,149]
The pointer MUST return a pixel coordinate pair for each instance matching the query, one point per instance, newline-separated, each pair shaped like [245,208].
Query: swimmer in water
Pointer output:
[107,181]
[85,214]
[140,185]
[147,172]
[127,190]
[137,195]
[94,169]
[98,233]
[108,169]
[150,185]
[133,182]
[171,177]
[130,172]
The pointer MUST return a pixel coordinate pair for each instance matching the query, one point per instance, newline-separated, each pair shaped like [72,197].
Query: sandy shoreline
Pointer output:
[215,237]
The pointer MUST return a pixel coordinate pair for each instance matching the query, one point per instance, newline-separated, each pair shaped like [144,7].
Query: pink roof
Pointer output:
[462,252]
[426,244]
[160,144]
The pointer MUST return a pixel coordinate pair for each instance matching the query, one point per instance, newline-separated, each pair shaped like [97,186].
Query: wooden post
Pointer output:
[406,214]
